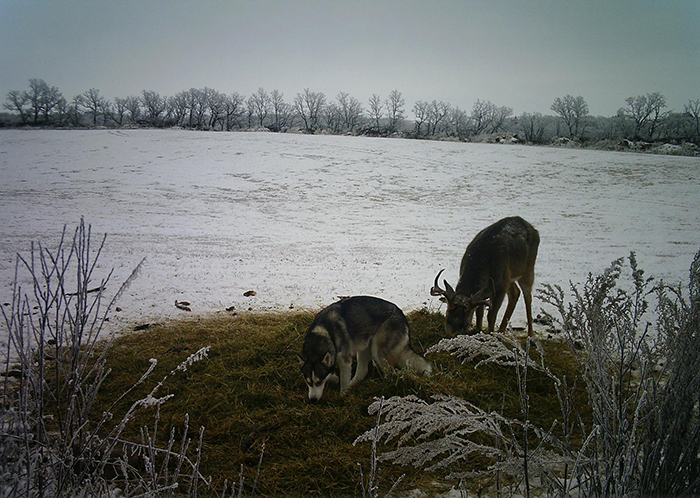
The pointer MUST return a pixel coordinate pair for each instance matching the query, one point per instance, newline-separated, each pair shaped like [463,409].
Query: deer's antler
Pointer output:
[448,292]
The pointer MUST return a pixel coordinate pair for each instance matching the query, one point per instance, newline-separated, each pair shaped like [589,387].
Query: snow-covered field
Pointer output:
[303,219]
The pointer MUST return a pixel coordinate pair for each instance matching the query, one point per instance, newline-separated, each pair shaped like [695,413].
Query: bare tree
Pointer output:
[482,114]
[62,110]
[50,98]
[200,97]
[333,117]
[692,110]
[187,102]
[73,110]
[573,111]
[194,102]
[437,112]
[233,108]
[421,111]
[178,106]
[280,110]
[309,106]
[37,88]
[250,112]
[350,111]
[154,105]
[260,104]
[216,108]
[92,101]
[533,127]
[459,123]
[645,112]
[106,111]
[487,117]
[675,126]
[120,111]
[37,103]
[394,108]
[375,110]
[500,115]
[133,107]
[16,101]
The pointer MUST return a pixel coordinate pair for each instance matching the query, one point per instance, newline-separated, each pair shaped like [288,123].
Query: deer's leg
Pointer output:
[468,321]
[526,286]
[513,295]
[493,310]
[479,318]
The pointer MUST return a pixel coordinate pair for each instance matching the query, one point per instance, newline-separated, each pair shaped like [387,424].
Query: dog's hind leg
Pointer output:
[404,357]
[378,356]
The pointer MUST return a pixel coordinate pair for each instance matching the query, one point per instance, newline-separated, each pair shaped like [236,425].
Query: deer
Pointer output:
[498,257]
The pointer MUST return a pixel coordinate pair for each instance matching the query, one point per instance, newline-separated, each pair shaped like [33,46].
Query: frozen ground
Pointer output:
[302,219]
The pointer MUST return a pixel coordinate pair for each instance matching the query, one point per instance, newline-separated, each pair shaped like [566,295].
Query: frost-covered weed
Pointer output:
[643,387]
[370,485]
[52,443]
[645,434]
[448,432]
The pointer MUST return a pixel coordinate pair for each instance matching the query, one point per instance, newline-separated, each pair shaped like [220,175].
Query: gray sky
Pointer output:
[518,53]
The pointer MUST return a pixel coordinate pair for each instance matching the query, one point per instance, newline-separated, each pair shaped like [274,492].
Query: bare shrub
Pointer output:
[52,443]
[370,485]
[670,463]
[642,384]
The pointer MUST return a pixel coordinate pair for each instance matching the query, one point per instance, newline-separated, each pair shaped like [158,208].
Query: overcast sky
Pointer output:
[518,53]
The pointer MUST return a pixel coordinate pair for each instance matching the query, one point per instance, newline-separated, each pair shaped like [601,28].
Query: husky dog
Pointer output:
[367,327]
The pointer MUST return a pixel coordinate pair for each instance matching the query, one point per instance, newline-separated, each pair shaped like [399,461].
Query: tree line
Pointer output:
[642,118]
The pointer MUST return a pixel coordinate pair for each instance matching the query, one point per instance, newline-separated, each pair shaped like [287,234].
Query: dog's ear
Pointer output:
[301,360]
[328,360]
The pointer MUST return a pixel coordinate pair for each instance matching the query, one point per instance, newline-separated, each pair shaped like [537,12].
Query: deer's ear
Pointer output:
[449,291]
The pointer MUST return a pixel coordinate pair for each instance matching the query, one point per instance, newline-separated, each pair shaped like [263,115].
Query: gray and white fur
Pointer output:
[365,327]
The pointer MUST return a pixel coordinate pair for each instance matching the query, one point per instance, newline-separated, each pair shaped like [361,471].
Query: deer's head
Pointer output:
[460,307]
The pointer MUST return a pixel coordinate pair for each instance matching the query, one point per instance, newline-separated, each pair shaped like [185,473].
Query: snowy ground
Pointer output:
[302,219]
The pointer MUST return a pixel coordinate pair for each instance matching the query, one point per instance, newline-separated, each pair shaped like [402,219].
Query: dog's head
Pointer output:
[316,374]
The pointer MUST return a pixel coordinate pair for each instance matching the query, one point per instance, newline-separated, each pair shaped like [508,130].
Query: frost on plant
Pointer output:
[492,348]
[643,390]
[446,433]
[370,486]
[52,443]
[410,419]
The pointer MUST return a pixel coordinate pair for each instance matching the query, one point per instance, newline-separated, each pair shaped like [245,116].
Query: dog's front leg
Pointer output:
[345,367]
[363,358]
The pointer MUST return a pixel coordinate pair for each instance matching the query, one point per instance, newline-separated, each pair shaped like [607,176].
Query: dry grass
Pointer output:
[250,392]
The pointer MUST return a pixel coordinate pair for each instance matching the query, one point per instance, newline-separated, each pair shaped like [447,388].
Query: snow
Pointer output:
[303,219]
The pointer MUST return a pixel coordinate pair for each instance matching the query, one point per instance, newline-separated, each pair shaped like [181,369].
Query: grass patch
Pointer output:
[250,392]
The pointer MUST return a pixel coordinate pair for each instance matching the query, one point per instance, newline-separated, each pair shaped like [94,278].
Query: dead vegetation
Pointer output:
[249,393]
